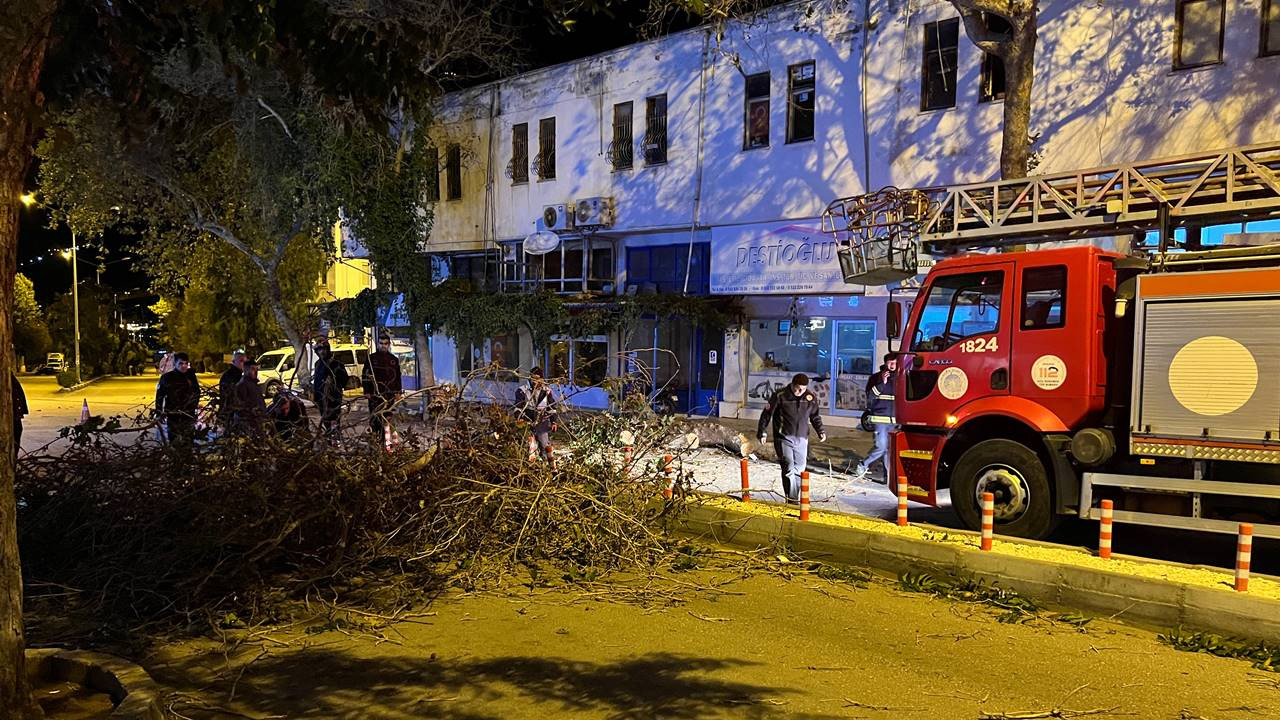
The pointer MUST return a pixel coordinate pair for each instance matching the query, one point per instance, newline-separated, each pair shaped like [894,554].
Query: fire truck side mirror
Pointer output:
[893,320]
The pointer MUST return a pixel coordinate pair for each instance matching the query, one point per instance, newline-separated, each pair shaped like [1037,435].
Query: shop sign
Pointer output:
[783,258]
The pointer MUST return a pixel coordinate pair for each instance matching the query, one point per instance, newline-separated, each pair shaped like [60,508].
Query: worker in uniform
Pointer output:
[536,405]
[880,414]
[792,409]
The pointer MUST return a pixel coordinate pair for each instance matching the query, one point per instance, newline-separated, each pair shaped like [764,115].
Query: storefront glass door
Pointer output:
[852,362]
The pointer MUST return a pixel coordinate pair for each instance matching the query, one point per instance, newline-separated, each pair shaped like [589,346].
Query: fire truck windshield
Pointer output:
[959,307]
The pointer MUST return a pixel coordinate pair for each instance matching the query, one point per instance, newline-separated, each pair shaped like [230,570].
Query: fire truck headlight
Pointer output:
[952,420]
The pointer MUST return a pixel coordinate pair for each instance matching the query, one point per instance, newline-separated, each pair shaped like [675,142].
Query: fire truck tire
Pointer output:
[1016,476]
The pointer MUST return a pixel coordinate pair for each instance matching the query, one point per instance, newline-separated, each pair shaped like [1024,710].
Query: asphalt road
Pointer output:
[51,410]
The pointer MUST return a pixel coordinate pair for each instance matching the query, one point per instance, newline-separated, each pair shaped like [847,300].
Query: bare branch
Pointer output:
[975,26]
[276,115]
[230,238]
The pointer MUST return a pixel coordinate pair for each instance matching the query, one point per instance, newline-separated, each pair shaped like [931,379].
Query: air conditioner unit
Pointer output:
[557,217]
[594,212]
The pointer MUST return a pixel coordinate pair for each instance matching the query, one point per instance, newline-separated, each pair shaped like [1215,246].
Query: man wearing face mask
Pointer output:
[792,409]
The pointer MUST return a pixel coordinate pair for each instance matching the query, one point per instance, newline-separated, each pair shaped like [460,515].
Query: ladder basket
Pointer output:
[878,233]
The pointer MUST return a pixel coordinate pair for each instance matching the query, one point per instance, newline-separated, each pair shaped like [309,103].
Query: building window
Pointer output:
[655,130]
[959,307]
[453,173]
[575,266]
[433,174]
[1270,44]
[1044,298]
[545,165]
[622,150]
[518,170]
[991,78]
[756,119]
[495,358]
[938,70]
[1198,34]
[801,89]
[662,269]
[479,269]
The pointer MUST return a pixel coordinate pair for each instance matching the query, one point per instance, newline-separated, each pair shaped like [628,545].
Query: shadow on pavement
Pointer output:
[334,683]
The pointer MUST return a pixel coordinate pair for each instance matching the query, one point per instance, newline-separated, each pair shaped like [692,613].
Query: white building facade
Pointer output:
[714,151]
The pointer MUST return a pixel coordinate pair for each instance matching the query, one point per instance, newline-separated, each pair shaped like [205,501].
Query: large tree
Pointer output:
[30,331]
[1017,50]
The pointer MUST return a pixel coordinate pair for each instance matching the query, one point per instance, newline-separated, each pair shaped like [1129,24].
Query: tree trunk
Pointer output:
[424,366]
[275,297]
[1019,75]
[23,44]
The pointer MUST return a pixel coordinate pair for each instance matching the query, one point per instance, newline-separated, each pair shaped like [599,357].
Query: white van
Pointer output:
[279,367]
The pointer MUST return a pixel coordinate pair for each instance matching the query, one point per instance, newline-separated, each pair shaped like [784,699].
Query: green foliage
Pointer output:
[67,378]
[1262,655]
[31,338]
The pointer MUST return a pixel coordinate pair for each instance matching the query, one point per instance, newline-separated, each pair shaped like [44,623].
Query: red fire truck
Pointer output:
[1058,376]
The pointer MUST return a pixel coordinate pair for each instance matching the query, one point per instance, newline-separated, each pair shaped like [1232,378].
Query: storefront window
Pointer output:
[837,355]
[583,362]
[497,357]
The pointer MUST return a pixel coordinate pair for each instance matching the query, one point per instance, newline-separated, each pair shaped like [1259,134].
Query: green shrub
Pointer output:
[67,377]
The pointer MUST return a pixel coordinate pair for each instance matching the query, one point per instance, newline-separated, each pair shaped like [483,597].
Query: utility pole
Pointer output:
[75,300]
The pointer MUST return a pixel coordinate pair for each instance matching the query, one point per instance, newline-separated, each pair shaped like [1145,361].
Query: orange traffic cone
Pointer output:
[84,412]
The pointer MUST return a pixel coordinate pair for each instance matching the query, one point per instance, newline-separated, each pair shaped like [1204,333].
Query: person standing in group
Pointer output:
[19,411]
[792,409]
[880,402]
[248,409]
[227,387]
[381,383]
[328,382]
[536,405]
[177,401]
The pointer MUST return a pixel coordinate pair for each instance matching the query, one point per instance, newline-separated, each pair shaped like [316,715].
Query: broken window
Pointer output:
[991,79]
[938,71]
[756,121]
[801,91]
[1198,36]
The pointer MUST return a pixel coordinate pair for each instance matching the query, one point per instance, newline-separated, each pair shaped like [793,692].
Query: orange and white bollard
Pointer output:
[988,519]
[533,449]
[1104,529]
[1244,552]
[746,481]
[804,496]
[386,437]
[902,500]
[666,472]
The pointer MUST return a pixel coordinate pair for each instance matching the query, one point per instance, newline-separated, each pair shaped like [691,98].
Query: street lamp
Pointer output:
[28,199]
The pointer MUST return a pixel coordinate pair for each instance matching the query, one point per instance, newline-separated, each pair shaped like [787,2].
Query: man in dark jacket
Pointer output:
[227,387]
[792,409]
[880,414]
[248,409]
[177,400]
[328,382]
[536,405]
[381,383]
[19,411]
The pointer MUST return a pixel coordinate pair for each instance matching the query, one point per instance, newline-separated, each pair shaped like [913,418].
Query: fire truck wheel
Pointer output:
[1013,473]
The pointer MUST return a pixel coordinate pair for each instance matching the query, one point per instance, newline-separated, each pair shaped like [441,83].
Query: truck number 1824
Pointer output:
[979,345]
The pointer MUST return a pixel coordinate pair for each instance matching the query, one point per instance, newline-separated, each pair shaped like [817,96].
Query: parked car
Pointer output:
[279,367]
[54,363]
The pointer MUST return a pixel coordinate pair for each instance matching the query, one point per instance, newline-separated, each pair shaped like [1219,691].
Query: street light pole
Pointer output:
[75,300]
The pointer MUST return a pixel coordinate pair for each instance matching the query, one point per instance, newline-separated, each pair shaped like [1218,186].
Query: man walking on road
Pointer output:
[177,400]
[227,387]
[381,382]
[537,406]
[248,409]
[880,414]
[792,409]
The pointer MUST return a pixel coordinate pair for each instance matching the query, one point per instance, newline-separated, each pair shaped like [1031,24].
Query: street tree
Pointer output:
[30,332]
[1017,50]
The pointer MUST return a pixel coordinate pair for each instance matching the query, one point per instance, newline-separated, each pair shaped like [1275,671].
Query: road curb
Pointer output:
[84,384]
[136,695]
[1152,602]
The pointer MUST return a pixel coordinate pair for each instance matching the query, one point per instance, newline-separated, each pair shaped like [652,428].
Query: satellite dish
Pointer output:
[541,242]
